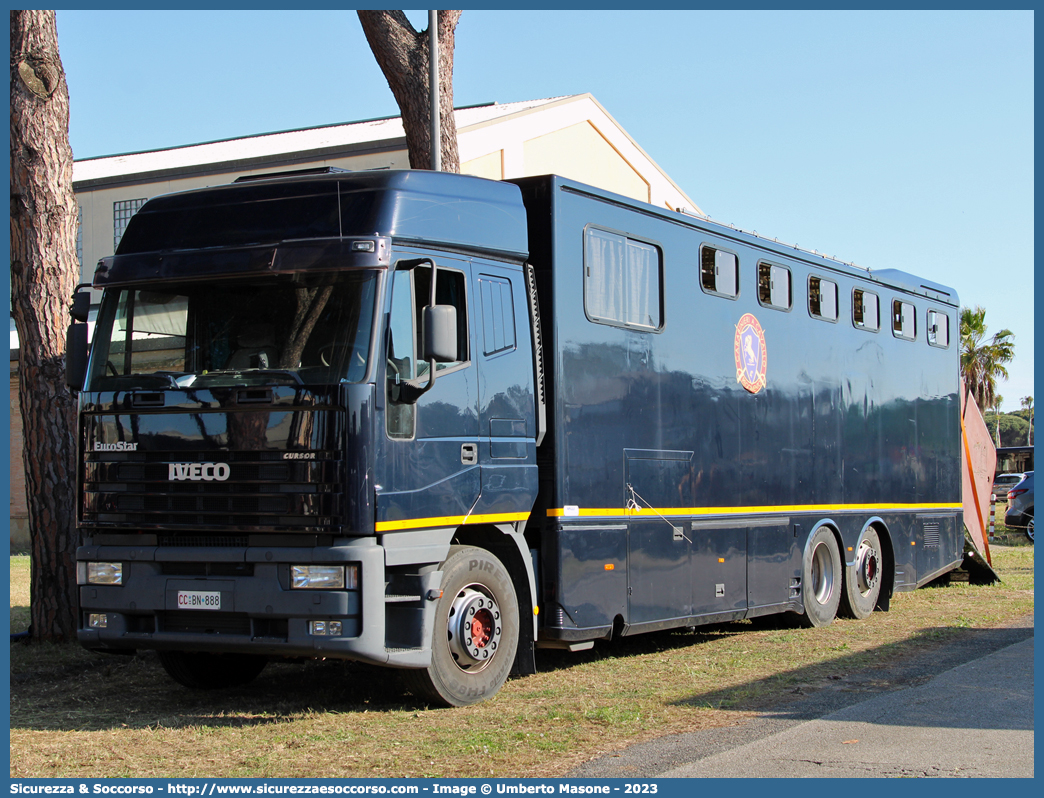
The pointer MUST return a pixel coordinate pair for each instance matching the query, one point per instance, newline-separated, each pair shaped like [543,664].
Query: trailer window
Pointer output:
[822,299]
[938,329]
[904,320]
[865,310]
[719,272]
[774,286]
[622,280]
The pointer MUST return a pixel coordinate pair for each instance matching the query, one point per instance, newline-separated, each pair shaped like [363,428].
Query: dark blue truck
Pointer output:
[435,422]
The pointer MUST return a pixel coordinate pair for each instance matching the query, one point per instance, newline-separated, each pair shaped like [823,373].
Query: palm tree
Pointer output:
[998,400]
[1027,404]
[982,359]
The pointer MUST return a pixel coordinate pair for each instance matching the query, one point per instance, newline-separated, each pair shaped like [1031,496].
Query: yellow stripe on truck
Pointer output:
[616,512]
[450,520]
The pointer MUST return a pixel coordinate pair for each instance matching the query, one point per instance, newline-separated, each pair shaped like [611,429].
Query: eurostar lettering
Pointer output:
[119,446]
[199,472]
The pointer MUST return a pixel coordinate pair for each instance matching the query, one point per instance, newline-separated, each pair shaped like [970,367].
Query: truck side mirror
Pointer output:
[76,349]
[440,333]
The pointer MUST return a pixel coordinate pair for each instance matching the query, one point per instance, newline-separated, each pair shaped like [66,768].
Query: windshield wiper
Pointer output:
[246,373]
[175,377]
[292,375]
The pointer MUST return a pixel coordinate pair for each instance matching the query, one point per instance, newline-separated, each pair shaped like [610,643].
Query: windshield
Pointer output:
[310,329]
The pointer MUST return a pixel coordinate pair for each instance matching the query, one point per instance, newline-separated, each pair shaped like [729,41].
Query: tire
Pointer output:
[205,671]
[1029,525]
[476,589]
[821,578]
[863,580]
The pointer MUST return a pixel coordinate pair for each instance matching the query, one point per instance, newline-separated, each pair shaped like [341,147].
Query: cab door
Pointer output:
[507,415]
[427,463]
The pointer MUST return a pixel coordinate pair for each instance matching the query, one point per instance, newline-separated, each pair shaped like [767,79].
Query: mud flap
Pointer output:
[979,571]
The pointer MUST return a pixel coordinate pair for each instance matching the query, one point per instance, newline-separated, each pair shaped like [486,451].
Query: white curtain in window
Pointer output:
[622,280]
[155,313]
[828,300]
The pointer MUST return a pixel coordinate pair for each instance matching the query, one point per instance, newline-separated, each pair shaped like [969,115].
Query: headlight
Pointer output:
[324,577]
[101,573]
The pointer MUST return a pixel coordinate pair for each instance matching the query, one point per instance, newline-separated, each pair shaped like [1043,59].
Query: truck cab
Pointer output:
[308,399]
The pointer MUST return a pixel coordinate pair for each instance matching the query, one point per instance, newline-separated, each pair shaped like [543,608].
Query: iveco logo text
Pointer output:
[199,472]
[119,446]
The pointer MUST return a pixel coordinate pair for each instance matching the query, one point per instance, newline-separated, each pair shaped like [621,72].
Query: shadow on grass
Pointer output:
[66,688]
[550,659]
[88,691]
[19,619]
[904,663]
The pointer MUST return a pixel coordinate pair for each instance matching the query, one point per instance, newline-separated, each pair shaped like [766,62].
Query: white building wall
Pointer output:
[492,141]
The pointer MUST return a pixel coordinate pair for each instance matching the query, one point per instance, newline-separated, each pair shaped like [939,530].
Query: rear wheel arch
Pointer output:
[888,557]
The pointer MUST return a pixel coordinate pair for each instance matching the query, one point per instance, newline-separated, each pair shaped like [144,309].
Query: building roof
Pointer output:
[335,136]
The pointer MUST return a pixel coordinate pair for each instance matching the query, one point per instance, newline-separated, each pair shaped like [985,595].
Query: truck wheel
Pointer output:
[821,578]
[476,631]
[205,671]
[863,580]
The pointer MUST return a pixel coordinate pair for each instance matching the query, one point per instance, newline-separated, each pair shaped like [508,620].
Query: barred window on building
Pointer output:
[79,236]
[122,212]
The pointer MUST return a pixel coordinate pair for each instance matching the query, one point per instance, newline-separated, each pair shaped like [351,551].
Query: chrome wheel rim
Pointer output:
[822,573]
[868,568]
[474,628]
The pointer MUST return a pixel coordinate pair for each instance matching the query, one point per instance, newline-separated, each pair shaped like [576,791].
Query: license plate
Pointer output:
[199,600]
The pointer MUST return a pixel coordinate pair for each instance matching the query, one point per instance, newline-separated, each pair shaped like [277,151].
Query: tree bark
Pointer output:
[44,272]
[403,56]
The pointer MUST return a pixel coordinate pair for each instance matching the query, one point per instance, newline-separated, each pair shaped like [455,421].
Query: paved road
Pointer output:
[973,719]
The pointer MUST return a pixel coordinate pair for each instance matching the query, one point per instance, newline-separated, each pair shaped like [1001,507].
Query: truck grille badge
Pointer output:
[198,472]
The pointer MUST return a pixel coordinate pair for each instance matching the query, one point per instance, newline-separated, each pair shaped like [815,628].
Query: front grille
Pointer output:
[204,622]
[259,491]
[271,628]
[140,624]
[201,622]
[195,569]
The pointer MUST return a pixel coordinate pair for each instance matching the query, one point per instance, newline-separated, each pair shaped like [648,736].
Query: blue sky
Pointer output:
[891,139]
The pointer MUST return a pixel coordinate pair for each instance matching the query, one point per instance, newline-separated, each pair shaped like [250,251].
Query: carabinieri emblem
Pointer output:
[751,354]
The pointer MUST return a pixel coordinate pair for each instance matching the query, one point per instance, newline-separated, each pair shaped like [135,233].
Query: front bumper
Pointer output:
[259,612]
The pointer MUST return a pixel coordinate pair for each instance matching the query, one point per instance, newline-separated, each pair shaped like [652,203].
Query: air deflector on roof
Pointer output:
[318,170]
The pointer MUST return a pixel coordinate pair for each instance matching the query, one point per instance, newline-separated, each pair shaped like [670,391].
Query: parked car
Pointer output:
[1020,505]
[1005,482]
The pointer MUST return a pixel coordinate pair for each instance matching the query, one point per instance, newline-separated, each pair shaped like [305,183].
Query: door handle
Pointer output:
[469,453]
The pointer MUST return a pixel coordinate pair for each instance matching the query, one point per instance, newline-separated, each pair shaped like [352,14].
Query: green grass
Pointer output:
[76,713]
[19,593]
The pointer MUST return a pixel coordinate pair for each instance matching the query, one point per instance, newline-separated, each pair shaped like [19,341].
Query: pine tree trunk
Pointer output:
[44,272]
[403,56]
